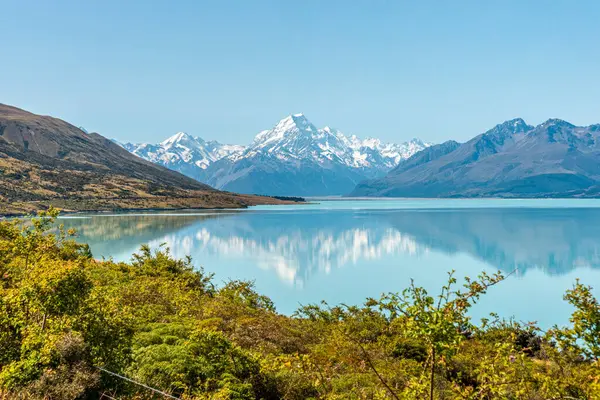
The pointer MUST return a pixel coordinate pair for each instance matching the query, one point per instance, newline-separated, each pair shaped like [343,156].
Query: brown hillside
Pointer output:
[45,160]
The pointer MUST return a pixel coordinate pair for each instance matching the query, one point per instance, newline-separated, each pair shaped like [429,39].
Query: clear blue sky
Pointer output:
[142,70]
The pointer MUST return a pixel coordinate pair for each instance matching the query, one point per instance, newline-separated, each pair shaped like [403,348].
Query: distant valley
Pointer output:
[292,158]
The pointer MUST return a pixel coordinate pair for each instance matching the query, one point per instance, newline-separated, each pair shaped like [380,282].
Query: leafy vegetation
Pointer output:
[72,327]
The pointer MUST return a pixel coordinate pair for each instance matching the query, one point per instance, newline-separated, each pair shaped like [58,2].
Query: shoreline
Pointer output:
[271,200]
[77,206]
[126,210]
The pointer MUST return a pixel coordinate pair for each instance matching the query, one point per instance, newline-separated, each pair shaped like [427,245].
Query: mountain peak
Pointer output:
[292,124]
[506,130]
[557,122]
[516,125]
[298,120]
[176,138]
[418,142]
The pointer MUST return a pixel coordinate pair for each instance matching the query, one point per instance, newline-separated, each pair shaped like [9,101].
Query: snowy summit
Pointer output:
[292,158]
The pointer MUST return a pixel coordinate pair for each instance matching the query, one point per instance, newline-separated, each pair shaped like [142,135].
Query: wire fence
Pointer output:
[167,395]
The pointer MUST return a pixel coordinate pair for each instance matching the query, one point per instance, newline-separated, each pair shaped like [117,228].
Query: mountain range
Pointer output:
[513,159]
[46,161]
[292,158]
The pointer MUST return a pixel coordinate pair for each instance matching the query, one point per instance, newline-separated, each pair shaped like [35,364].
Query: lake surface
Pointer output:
[348,250]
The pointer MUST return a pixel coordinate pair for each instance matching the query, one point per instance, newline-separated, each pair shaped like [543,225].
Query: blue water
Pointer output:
[347,250]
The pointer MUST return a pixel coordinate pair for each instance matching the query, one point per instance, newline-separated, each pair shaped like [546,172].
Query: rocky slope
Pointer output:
[292,158]
[44,160]
[553,159]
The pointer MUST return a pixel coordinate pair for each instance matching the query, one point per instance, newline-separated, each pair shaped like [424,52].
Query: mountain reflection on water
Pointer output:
[297,245]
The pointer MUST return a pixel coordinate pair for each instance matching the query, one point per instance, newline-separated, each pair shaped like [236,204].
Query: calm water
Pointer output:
[345,251]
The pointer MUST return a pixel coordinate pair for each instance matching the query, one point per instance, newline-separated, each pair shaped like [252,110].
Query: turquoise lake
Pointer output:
[343,251]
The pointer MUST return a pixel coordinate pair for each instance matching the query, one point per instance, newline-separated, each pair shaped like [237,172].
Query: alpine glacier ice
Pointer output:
[293,158]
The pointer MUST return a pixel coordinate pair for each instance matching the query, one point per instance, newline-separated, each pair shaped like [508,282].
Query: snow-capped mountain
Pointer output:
[292,158]
[184,153]
[294,137]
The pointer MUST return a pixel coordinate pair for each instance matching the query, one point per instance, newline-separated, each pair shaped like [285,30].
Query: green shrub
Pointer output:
[162,323]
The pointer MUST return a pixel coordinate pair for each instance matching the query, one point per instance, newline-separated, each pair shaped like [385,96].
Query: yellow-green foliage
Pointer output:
[66,319]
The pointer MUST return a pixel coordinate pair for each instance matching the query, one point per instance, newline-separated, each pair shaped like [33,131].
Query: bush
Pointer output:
[161,322]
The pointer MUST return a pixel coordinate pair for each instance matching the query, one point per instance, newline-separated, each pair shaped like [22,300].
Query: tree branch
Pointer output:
[366,355]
